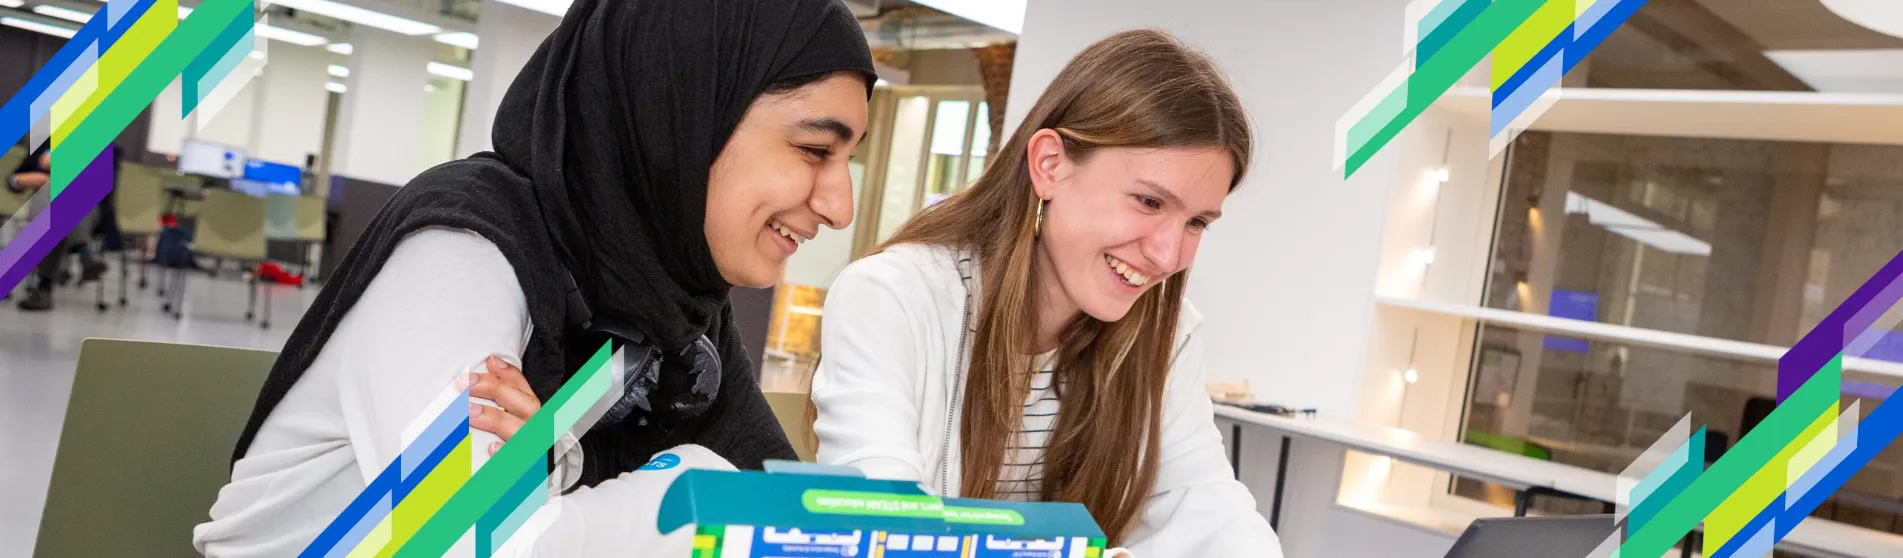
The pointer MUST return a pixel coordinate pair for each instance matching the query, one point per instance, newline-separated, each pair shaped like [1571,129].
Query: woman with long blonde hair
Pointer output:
[1028,339]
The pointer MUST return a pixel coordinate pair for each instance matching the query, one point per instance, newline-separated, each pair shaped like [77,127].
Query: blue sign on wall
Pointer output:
[1577,305]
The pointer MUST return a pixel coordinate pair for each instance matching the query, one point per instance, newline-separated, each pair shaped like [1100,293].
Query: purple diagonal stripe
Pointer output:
[1828,338]
[59,218]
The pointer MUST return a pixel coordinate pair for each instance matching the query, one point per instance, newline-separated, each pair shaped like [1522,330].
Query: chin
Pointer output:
[1108,309]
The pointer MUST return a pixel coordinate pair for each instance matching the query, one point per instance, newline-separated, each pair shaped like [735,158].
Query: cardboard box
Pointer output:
[785,515]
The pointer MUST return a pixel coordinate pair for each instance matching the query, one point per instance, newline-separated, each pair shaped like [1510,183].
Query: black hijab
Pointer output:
[618,118]
[603,146]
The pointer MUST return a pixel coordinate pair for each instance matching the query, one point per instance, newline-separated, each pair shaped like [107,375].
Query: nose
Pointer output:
[832,195]
[1164,247]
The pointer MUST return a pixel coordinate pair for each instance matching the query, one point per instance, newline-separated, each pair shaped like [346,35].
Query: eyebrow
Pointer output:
[1170,197]
[826,125]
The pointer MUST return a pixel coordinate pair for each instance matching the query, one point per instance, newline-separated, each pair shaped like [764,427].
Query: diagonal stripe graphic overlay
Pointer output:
[1532,43]
[1739,464]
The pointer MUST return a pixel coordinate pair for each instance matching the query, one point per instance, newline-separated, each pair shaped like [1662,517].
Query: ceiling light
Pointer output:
[451,72]
[12,3]
[335,87]
[552,7]
[462,39]
[1883,16]
[1005,15]
[1411,375]
[340,48]
[360,16]
[882,83]
[183,12]
[339,71]
[298,38]
[38,27]
[67,14]
[1639,229]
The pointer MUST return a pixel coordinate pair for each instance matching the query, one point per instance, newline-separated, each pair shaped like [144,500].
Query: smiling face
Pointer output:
[1122,220]
[783,175]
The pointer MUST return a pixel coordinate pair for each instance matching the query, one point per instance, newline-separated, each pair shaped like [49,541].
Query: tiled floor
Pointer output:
[38,352]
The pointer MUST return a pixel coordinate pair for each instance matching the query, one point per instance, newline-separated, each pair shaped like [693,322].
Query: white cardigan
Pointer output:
[885,392]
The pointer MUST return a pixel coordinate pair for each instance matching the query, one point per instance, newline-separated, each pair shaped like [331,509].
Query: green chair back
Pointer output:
[146,446]
[140,197]
[10,203]
[230,225]
[280,217]
[310,218]
[1510,444]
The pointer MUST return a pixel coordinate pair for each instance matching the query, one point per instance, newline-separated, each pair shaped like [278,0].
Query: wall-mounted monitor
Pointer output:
[209,159]
[277,178]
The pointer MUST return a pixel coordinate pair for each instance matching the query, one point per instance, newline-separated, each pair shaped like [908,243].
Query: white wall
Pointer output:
[510,36]
[443,106]
[380,127]
[232,124]
[291,104]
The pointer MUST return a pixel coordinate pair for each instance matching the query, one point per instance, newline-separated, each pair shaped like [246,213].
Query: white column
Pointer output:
[380,124]
[510,35]
[289,119]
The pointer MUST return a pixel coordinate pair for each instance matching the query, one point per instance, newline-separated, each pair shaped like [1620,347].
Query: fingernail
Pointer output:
[494,447]
[474,410]
[495,363]
[462,380]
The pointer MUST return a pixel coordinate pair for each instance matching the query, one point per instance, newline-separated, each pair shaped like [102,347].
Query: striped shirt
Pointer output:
[1022,478]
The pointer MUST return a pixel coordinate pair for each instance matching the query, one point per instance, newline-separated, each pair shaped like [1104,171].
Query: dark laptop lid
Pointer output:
[1520,537]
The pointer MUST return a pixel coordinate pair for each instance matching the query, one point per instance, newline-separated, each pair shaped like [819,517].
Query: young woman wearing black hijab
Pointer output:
[652,154]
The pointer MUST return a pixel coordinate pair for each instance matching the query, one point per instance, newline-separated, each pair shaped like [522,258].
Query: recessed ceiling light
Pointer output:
[451,72]
[361,16]
[67,14]
[12,3]
[338,71]
[340,48]
[298,38]
[462,39]
[38,27]
[335,87]
[552,7]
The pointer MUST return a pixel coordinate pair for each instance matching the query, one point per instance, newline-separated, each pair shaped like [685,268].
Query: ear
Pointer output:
[1047,162]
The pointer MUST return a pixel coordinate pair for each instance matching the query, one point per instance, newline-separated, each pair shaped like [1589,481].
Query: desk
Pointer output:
[1529,476]
[179,195]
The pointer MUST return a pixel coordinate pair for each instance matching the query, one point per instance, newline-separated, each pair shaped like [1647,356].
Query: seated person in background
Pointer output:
[650,156]
[1028,339]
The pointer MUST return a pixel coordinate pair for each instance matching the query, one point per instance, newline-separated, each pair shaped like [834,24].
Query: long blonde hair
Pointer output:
[1133,89]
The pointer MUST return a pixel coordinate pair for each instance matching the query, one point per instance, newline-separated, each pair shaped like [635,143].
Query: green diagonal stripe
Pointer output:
[1432,79]
[1739,463]
[142,85]
[1762,488]
[524,450]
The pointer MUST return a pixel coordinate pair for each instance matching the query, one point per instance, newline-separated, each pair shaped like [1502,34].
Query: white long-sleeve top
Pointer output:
[886,386]
[446,300]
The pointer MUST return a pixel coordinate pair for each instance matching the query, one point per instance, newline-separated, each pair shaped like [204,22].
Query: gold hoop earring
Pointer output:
[1040,217]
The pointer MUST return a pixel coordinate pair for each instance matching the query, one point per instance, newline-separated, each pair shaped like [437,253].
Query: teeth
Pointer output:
[788,233]
[1130,276]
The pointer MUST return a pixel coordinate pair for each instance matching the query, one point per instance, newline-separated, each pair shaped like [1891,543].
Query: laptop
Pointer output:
[1575,536]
